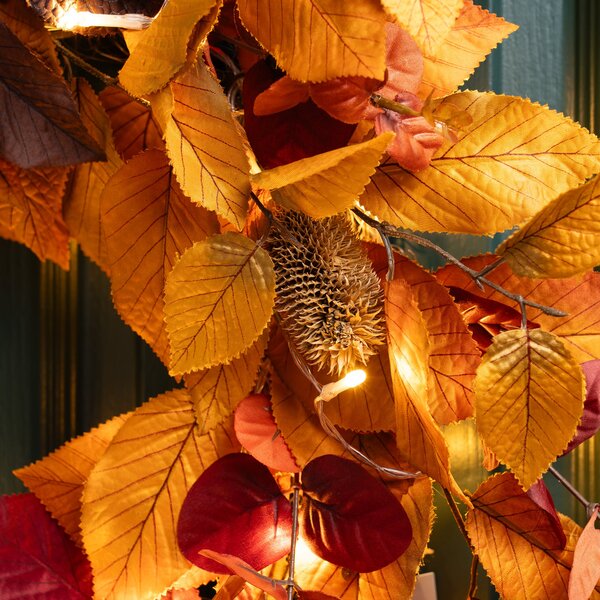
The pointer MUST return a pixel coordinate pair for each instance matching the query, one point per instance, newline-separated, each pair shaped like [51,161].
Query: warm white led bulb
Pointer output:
[352,379]
[72,19]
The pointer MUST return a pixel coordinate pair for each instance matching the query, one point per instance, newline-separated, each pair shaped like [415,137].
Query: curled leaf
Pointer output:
[585,574]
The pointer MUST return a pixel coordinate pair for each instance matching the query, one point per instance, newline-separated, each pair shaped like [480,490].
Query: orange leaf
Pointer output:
[585,575]
[217,391]
[133,495]
[318,39]
[134,126]
[205,147]
[160,52]
[82,203]
[473,36]
[514,159]
[58,479]
[428,21]
[31,210]
[580,330]
[561,240]
[520,568]
[524,420]
[148,223]
[418,437]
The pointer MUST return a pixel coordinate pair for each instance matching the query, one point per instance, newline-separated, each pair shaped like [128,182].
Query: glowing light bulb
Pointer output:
[72,19]
[352,379]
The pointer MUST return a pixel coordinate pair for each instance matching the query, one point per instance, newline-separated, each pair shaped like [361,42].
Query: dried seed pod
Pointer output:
[328,296]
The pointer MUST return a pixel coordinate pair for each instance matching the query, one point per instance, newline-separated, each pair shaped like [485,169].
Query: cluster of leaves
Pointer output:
[154,177]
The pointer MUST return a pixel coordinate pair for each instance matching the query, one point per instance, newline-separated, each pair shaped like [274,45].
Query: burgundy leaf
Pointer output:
[304,595]
[590,420]
[38,561]
[540,494]
[289,135]
[350,518]
[40,123]
[257,431]
[235,507]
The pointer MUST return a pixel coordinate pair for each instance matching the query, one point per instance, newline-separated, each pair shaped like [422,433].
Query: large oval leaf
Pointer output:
[136,490]
[528,400]
[235,507]
[514,159]
[219,298]
[148,222]
[318,39]
[562,239]
[350,518]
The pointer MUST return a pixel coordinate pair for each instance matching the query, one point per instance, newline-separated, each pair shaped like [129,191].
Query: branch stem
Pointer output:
[106,79]
[394,106]
[295,506]
[589,506]
[473,578]
[457,516]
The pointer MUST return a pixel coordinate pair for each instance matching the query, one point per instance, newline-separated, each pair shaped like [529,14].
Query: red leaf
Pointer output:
[315,596]
[586,562]
[244,570]
[293,134]
[38,561]
[350,518]
[590,420]
[235,507]
[540,494]
[257,431]
[40,123]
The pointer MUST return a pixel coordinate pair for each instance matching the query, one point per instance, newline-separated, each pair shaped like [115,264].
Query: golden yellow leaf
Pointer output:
[316,40]
[218,299]
[520,569]
[514,159]
[82,202]
[31,210]
[160,52]
[475,33]
[562,239]
[428,21]
[148,223]
[579,331]
[217,391]
[133,496]
[205,147]
[529,394]
[419,439]
[134,125]
[325,184]
[58,479]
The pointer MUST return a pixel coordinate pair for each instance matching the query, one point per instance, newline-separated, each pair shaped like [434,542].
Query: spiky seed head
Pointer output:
[328,297]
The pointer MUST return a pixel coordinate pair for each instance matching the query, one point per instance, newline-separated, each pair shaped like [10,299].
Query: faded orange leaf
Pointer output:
[419,439]
[579,331]
[58,479]
[230,588]
[205,147]
[325,184]
[160,52]
[217,391]
[134,125]
[82,202]
[427,21]
[520,569]
[31,210]
[562,239]
[148,222]
[474,34]
[514,159]
[133,496]
[316,40]
[218,299]
[585,574]
[525,421]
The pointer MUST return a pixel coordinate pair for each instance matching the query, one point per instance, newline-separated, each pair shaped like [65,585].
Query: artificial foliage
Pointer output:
[242,172]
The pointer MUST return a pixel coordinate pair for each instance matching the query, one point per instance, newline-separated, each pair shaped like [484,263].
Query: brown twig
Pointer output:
[292,559]
[392,105]
[473,578]
[589,506]
[106,79]
[457,516]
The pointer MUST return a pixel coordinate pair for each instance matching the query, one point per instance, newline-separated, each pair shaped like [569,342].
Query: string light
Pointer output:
[351,380]
[73,19]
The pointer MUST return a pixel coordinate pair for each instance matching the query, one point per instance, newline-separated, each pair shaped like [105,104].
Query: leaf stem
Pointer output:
[106,79]
[473,578]
[589,506]
[394,106]
[295,506]
[457,516]
[389,230]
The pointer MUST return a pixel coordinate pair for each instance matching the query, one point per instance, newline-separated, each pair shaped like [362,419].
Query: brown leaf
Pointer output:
[31,210]
[134,125]
[41,125]
[585,575]
[580,330]
[58,479]
[133,495]
[148,222]
[82,203]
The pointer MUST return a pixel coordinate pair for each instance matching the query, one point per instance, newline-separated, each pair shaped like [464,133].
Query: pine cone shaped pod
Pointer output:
[328,296]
